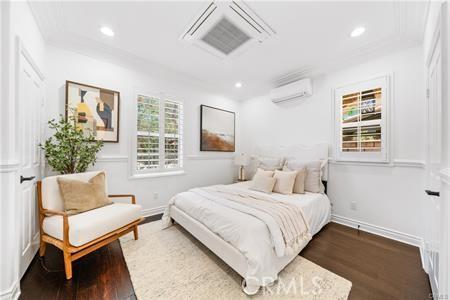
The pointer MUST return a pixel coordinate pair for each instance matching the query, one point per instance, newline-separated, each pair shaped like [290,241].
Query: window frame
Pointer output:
[382,157]
[161,170]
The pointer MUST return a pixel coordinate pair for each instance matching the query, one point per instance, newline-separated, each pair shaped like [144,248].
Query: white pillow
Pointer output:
[299,184]
[285,182]
[270,163]
[261,172]
[263,183]
[313,179]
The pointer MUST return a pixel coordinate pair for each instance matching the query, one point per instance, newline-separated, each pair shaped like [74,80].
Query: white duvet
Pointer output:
[246,233]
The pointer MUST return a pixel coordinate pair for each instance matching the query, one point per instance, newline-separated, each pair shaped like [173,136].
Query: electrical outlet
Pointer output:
[353,205]
[155,196]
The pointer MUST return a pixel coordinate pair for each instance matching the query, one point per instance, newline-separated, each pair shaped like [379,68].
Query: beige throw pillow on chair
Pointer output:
[80,196]
[285,182]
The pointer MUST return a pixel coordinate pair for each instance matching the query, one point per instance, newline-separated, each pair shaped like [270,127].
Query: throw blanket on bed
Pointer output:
[286,223]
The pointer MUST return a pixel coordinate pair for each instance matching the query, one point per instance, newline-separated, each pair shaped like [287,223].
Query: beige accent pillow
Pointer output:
[80,196]
[313,181]
[285,182]
[263,183]
[261,172]
[299,184]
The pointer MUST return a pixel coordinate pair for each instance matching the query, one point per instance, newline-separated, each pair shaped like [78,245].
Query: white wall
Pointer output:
[201,168]
[17,22]
[386,196]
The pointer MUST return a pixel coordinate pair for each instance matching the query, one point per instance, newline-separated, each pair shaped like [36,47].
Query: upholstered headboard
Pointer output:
[299,152]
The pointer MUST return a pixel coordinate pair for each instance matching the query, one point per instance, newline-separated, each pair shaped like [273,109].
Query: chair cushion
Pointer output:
[88,226]
[51,196]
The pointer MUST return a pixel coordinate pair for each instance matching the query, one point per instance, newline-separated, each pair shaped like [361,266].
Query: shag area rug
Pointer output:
[172,264]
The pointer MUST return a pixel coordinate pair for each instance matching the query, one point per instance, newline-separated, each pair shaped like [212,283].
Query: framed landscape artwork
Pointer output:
[216,129]
[95,110]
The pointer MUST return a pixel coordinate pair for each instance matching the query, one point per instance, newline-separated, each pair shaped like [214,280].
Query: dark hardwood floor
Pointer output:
[379,268]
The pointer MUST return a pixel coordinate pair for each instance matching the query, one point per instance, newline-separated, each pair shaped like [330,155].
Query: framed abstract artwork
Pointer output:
[217,129]
[95,110]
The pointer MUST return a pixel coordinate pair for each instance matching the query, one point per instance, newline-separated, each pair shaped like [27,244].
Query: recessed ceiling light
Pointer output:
[107,31]
[357,31]
[238,85]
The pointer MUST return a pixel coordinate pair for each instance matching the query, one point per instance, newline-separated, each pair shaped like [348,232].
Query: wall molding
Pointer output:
[9,166]
[207,157]
[409,163]
[445,175]
[125,158]
[12,293]
[153,211]
[112,158]
[378,230]
[401,163]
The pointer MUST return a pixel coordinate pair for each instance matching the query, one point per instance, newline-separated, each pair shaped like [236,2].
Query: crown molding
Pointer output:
[404,36]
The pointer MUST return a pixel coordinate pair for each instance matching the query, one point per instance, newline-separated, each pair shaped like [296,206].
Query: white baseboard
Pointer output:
[378,230]
[12,293]
[423,257]
[153,211]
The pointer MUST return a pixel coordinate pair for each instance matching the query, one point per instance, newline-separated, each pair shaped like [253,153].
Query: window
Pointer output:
[361,115]
[159,137]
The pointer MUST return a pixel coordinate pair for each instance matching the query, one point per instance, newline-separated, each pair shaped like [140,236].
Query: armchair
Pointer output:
[80,234]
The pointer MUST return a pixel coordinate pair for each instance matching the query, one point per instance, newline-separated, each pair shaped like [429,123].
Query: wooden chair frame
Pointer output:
[70,252]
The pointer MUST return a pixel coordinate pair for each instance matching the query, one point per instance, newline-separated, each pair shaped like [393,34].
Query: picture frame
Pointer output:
[95,109]
[217,129]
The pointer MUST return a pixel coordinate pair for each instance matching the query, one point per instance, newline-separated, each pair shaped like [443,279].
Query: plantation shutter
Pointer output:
[159,140]
[173,123]
[362,121]
[147,133]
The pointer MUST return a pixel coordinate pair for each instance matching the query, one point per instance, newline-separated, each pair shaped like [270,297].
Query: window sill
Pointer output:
[157,174]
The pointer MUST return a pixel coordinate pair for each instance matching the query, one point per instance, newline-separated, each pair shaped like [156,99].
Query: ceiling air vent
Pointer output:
[227,29]
[225,37]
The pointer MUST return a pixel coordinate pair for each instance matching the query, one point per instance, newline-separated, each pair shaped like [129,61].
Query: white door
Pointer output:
[30,101]
[434,165]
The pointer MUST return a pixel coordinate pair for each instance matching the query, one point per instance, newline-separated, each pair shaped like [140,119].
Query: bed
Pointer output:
[241,240]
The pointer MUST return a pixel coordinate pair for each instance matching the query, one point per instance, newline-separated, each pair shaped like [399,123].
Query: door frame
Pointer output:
[23,53]
[436,45]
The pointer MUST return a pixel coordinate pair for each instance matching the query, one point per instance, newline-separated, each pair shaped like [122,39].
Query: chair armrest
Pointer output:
[133,198]
[50,212]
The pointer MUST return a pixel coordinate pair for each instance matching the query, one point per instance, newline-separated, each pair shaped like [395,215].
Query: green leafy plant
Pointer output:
[70,150]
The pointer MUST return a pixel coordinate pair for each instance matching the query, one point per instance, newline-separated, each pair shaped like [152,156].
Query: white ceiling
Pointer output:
[312,37]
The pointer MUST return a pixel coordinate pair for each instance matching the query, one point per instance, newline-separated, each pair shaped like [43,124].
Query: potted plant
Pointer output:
[70,150]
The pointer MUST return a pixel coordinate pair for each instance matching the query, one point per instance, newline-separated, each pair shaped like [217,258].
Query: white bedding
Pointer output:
[250,235]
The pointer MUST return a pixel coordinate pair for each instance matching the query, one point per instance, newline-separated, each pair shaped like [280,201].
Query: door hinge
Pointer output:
[428,93]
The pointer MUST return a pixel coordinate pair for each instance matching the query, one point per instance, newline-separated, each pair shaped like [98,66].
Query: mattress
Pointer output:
[315,206]
[249,235]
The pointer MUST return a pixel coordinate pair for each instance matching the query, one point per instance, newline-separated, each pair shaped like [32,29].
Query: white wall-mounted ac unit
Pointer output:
[292,91]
